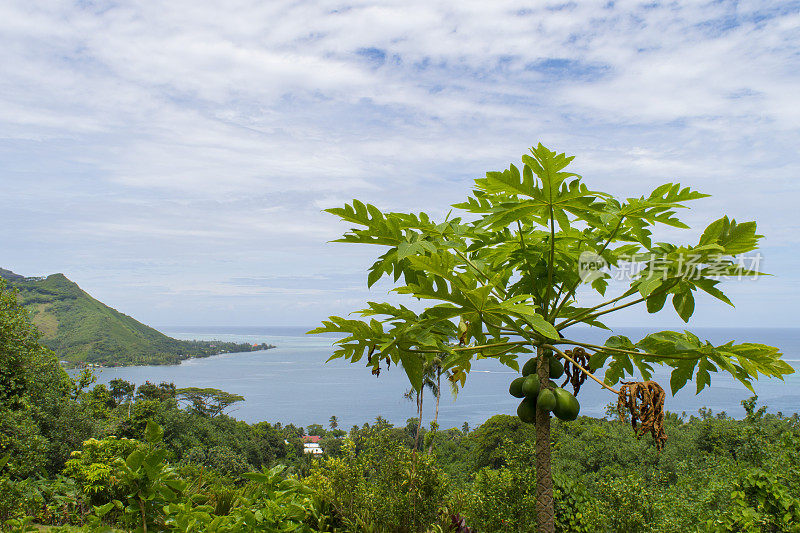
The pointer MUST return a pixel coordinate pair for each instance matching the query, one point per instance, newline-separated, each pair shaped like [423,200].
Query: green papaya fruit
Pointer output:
[529,367]
[567,406]
[556,368]
[530,387]
[526,411]
[515,389]
[546,400]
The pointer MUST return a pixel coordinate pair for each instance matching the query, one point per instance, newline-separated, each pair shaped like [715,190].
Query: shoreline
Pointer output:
[69,365]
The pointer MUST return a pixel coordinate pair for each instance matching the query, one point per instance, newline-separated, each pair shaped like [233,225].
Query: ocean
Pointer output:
[293,384]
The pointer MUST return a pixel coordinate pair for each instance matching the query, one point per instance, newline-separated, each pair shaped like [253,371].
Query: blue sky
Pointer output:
[174,158]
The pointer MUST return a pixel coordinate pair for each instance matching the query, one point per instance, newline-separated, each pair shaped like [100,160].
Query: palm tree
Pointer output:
[437,370]
[431,380]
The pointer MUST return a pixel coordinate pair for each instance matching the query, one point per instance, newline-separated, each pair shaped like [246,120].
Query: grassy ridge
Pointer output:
[81,329]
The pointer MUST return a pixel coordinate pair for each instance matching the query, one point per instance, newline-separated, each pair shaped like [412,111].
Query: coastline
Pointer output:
[294,384]
[80,365]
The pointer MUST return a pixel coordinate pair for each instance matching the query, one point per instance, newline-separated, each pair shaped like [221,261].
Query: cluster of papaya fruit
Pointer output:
[549,398]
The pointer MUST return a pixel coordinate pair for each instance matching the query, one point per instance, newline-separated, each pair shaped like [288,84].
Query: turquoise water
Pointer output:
[292,383]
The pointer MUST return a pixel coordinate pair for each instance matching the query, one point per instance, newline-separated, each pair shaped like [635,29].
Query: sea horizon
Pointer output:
[292,383]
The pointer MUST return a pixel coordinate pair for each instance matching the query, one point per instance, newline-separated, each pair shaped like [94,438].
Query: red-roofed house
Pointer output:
[311,444]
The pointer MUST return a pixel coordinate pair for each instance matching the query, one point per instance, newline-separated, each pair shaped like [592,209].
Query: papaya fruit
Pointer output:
[556,368]
[530,387]
[546,400]
[526,411]
[567,406]
[529,367]
[515,389]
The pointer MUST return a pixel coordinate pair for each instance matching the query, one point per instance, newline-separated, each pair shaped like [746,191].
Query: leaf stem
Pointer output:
[501,352]
[460,254]
[600,253]
[571,360]
[493,345]
[555,300]
[500,295]
[572,321]
[598,348]
[470,348]
[525,256]
[550,266]
[580,315]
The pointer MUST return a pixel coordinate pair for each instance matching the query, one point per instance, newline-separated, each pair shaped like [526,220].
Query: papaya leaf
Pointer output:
[683,303]
[508,181]
[598,359]
[646,286]
[684,351]
[644,368]
[413,365]
[703,378]
[601,284]
[656,303]
[620,366]
[734,238]
[709,286]
[620,342]
[681,373]
[535,320]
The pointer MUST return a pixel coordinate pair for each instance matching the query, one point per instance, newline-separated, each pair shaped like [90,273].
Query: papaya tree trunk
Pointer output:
[545,515]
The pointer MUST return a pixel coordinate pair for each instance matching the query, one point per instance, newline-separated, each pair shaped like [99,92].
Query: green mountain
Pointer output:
[81,329]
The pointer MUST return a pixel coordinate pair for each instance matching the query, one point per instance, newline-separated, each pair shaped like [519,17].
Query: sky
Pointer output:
[174,158]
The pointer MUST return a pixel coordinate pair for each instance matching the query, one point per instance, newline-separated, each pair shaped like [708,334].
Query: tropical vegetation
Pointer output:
[82,330]
[76,455]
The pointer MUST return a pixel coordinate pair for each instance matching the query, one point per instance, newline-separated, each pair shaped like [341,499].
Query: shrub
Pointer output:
[97,469]
[380,483]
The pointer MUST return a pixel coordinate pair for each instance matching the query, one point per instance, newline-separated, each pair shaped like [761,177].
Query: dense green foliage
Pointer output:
[70,454]
[123,456]
[717,474]
[76,455]
[136,489]
[81,329]
[375,478]
[32,389]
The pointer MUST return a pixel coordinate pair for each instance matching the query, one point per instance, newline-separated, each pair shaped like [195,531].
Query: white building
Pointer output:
[311,445]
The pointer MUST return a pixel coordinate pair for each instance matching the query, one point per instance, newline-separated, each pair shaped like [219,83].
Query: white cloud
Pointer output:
[215,134]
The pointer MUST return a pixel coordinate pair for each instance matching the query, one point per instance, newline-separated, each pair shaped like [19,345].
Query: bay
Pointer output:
[293,384]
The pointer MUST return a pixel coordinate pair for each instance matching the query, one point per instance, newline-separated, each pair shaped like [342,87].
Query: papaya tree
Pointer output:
[507,279]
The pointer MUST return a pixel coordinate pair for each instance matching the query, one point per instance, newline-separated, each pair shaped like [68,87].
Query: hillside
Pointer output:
[81,329]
